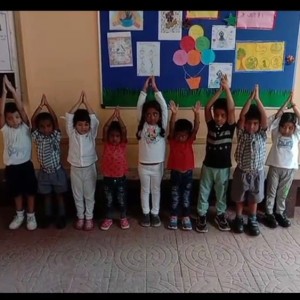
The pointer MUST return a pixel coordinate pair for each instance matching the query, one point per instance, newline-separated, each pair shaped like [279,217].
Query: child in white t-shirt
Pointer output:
[282,161]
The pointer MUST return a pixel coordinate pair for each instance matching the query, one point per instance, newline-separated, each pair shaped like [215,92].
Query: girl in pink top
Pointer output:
[114,169]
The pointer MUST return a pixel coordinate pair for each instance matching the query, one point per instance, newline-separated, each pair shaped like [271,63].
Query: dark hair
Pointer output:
[220,103]
[287,117]
[81,115]
[253,113]
[114,126]
[43,116]
[10,107]
[150,104]
[183,125]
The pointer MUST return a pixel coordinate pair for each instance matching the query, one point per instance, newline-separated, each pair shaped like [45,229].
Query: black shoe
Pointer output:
[283,220]
[146,220]
[238,224]
[201,224]
[155,220]
[60,222]
[45,222]
[222,222]
[253,226]
[270,221]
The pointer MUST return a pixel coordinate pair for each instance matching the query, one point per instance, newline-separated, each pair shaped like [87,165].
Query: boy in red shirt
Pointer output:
[181,163]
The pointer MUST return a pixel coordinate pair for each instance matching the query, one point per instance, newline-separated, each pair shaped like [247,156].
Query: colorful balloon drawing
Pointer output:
[194,50]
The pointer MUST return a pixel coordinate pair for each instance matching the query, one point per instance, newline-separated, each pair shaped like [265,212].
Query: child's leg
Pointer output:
[285,182]
[31,221]
[122,200]
[121,196]
[206,183]
[187,193]
[221,185]
[238,188]
[109,196]
[256,195]
[239,206]
[144,175]
[155,182]
[48,205]
[252,208]
[89,188]
[61,208]
[175,192]
[187,184]
[272,185]
[77,190]
[19,203]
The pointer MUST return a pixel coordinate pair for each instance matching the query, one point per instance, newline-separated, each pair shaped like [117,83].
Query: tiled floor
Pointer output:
[148,260]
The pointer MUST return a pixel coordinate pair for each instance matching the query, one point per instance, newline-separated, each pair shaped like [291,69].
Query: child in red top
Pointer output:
[114,168]
[181,163]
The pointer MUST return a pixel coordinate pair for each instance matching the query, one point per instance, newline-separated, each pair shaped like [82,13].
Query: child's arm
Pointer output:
[77,104]
[230,102]
[162,102]
[282,108]
[106,126]
[263,114]
[123,127]
[51,112]
[142,98]
[2,104]
[196,110]
[174,110]
[295,108]
[18,101]
[36,112]
[208,107]
[86,104]
[244,110]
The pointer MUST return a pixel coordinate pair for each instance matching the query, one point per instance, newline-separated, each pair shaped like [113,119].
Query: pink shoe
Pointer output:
[106,224]
[124,223]
[79,224]
[88,225]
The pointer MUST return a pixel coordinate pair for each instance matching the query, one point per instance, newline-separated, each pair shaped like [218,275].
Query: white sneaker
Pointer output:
[31,222]
[16,222]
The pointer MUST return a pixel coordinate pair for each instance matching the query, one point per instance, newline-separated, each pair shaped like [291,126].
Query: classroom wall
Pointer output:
[59,56]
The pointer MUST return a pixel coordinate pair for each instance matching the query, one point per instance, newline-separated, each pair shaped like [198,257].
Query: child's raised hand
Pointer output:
[253,93]
[146,84]
[153,83]
[117,112]
[256,90]
[4,89]
[43,100]
[197,107]
[173,107]
[224,82]
[292,100]
[83,98]
[8,84]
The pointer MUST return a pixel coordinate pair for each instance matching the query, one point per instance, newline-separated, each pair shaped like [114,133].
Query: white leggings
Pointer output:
[150,178]
[83,183]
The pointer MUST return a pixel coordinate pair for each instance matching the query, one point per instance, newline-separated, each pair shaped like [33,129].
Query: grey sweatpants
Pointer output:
[279,181]
[83,183]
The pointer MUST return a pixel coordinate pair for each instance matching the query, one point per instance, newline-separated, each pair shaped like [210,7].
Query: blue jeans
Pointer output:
[181,192]
[115,188]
